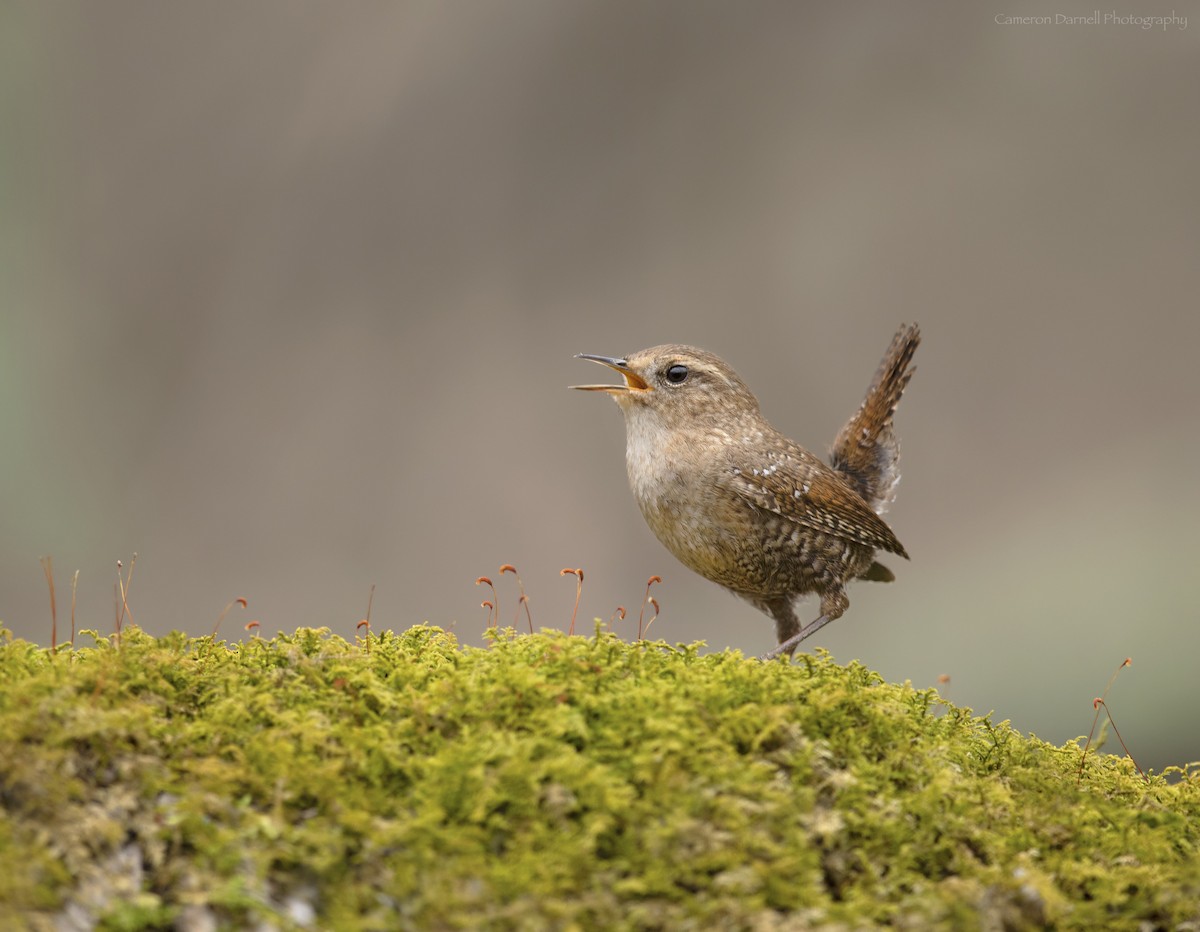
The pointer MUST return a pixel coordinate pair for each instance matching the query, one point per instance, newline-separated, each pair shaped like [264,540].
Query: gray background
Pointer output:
[290,294]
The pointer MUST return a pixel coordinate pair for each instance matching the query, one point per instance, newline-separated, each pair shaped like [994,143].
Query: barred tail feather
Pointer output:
[867,451]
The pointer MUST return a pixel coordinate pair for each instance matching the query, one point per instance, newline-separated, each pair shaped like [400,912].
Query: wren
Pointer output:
[738,502]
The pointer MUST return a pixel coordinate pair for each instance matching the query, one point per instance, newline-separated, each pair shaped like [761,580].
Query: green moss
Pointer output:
[552,782]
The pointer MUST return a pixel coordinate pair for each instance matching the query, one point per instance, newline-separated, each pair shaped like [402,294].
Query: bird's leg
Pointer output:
[789,646]
[833,604]
[786,622]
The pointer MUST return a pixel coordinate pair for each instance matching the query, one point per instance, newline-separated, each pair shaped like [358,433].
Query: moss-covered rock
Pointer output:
[551,782]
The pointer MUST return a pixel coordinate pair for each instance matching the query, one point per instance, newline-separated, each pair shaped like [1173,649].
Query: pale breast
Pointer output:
[679,500]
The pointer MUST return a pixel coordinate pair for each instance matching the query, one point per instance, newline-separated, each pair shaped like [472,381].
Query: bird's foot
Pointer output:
[789,646]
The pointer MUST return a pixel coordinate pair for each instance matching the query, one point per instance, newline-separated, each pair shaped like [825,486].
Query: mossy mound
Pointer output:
[551,782]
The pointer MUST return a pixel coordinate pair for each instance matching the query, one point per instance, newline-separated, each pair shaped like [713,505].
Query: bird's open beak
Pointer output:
[633,381]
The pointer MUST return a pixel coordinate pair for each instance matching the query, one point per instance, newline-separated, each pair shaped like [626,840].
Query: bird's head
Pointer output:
[682,385]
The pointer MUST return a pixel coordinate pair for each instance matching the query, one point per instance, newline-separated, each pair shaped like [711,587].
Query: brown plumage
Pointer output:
[866,450]
[744,506]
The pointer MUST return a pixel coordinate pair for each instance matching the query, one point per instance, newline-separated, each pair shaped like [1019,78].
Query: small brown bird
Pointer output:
[744,506]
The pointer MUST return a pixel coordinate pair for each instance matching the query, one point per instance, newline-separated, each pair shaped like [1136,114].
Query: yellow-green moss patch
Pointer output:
[551,782]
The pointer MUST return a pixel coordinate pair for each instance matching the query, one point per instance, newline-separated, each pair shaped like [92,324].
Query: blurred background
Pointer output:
[289,296]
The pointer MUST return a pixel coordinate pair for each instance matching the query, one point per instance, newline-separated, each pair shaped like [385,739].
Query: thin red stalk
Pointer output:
[1096,704]
[524,600]
[619,613]
[366,622]
[48,569]
[1113,722]
[225,611]
[491,606]
[578,574]
[74,587]
[642,614]
[125,584]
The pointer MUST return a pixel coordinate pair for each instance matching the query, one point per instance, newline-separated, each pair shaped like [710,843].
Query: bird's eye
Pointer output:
[677,374]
